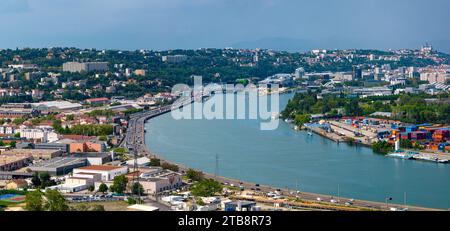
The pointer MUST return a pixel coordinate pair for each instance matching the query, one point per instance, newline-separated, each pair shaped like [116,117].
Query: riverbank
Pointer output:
[305,195]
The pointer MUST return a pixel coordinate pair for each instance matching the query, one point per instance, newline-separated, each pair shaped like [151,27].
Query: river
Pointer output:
[286,158]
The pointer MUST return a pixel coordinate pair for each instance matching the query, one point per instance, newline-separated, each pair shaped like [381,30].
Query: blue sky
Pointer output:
[165,24]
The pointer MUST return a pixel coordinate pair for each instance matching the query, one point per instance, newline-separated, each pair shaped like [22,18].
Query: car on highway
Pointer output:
[271,194]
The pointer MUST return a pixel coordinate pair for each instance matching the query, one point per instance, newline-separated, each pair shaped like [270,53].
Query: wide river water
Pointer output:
[286,158]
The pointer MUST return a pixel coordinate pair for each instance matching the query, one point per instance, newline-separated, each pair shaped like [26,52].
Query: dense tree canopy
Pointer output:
[206,188]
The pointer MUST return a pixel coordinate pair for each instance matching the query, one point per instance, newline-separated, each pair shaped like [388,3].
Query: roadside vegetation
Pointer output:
[206,188]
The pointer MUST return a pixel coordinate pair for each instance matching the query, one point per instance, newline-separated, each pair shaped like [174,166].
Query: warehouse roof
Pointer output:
[100,168]
[59,162]
[58,105]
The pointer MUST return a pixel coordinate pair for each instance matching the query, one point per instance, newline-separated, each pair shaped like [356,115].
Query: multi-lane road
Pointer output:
[134,139]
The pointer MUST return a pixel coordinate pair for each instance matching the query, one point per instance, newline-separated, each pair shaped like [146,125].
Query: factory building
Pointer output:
[59,166]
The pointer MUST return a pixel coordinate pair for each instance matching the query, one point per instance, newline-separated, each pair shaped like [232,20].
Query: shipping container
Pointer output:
[411,128]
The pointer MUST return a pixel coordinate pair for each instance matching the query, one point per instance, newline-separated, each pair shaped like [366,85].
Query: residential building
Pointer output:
[87,147]
[344,76]
[357,73]
[299,73]
[174,58]
[85,67]
[156,180]
[8,130]
[42,135]
[435,76]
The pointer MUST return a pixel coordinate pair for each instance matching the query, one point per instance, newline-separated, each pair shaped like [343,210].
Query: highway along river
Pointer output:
[285,158]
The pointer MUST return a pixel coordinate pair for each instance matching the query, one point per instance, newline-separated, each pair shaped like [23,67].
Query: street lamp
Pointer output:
[387,199]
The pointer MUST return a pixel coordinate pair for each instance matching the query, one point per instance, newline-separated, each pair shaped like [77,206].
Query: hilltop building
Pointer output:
[85,67]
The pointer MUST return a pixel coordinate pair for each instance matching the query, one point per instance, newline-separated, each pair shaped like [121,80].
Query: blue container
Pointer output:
[442,146]
[411,128]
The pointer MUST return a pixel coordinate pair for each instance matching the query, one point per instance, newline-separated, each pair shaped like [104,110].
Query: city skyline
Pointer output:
[280,25]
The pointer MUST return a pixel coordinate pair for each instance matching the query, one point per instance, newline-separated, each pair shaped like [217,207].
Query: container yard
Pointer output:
[431,141]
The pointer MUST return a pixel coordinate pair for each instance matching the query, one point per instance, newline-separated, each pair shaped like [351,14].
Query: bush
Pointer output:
[382,147]
[119,184]
[103,188]
[206,188]
[34,201]
[155,162]
[137,189]
[103,138]
[131,201]
[194,175]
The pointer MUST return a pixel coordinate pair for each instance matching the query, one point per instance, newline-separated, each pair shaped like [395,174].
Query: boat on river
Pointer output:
[402,155]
